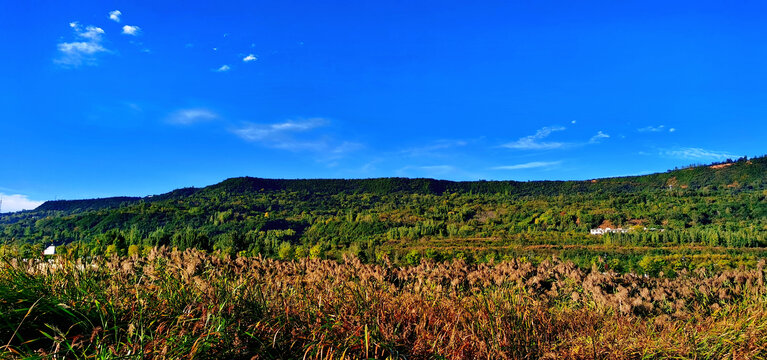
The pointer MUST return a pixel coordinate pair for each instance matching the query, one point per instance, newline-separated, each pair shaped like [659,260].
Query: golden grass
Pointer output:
[173,304]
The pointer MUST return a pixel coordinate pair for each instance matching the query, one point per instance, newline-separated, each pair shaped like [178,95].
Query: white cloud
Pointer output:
[115,15]
[80,48]
[599,136]
[532,142]
[297,135]
[671,130]
[530,165]
[658,128]
[131,30]
[698,154]
[191,116]
[82,52]
[572,122]
[249,58]
[17,202]
[223,68]
[270,132]
[91,32]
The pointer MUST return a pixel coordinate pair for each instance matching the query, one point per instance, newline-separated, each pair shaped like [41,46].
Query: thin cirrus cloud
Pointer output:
[659,128]
[85,49]
[17,202]
[598,137]
[115,15]
[529,165]
[533,142]
[537,140]
[692,153]
[131,30]
[296,135]
[223,68]
[276,134]
[191,116]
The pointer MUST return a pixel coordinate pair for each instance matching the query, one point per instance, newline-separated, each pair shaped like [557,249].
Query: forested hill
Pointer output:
[86,204]
[110,202]
[741,174]
[715,205]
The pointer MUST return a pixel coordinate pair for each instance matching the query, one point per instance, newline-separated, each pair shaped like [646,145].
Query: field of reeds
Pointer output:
[190,304]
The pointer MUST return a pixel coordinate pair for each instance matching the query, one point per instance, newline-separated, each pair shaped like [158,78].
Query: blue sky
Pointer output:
[102,98]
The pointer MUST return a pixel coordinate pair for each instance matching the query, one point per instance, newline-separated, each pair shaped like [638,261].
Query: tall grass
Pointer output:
[189,304]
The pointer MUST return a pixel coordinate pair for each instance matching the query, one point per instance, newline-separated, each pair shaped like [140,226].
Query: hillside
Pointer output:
[748,174]
[712,205]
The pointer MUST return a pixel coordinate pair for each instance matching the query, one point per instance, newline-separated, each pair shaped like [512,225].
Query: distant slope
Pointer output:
[750,174]
[87,204]
[716,205]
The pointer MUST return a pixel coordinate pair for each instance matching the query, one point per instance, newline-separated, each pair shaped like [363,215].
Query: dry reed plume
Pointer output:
[174,304]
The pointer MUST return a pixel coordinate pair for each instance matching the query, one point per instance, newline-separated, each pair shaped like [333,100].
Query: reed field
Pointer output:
[191,304]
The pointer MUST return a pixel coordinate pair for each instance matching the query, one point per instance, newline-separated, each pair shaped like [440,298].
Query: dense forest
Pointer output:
[716,207]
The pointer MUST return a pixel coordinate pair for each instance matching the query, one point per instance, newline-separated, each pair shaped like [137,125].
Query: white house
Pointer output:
[605,230]
[50,250]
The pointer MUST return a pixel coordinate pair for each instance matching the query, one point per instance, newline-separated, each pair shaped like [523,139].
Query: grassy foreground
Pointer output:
[173,304]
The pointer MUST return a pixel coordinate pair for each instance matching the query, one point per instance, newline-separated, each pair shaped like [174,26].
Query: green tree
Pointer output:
[285,251]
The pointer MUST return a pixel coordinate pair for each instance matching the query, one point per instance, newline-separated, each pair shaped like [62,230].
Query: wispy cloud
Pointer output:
[530,165]
[298,136]
[598,137]
[536,141]
[434,148]
[83,52]
[191,116]
[533,142]
[659,128]
[17,202]
[249,58]
[115,15]
[131,30]
[691,153]
[264,132]
[223,68]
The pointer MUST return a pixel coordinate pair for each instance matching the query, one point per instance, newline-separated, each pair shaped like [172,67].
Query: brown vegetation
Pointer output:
[721,166]
[173,304]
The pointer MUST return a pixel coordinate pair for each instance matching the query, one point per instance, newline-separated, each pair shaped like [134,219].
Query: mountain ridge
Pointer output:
[742,172]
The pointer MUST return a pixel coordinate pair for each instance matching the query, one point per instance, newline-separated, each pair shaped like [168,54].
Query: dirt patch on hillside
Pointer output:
[721,166]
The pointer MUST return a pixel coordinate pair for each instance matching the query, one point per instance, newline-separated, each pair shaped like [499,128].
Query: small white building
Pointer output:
[605,230]
[50,250]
